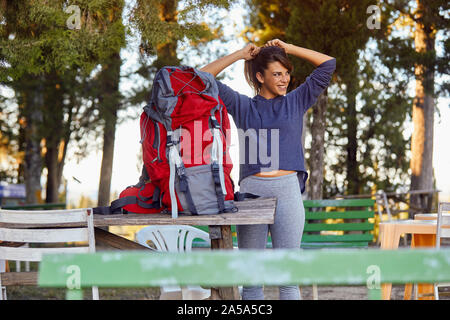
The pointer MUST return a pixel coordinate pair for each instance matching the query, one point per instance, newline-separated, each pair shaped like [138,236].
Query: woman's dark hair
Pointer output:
[260,63]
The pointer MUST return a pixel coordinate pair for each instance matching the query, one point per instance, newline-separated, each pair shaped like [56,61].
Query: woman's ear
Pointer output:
[260,77]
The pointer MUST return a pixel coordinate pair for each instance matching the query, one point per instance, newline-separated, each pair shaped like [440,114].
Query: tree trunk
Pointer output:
[104,189]
[63,148]
[422,116]
[54,120]
[54,159]
[352,142]
[33,160]
[317,147]
[51,162]
[110,104]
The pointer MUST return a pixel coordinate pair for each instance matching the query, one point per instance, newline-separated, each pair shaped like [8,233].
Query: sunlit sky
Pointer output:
[127,147]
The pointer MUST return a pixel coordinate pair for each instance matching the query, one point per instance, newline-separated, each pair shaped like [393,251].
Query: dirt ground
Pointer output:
[271,293]
[334,293]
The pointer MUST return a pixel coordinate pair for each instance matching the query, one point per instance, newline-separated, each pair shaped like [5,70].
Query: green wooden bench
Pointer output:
[221,268]
[330,224]
[338,223]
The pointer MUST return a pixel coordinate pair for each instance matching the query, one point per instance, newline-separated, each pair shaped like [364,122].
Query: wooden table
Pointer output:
[421,240]
[423,235]
[428,216]
[255,211]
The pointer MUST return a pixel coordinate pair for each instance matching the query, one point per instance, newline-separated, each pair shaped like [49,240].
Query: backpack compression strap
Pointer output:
[176,166]
[212,90]
[216,164]
[241,196]
[116,206]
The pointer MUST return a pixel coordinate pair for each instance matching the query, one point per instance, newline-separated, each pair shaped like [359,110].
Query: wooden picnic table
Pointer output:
[252,211]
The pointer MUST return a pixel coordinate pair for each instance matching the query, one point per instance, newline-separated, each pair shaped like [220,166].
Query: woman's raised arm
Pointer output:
[314,57]
[246,53]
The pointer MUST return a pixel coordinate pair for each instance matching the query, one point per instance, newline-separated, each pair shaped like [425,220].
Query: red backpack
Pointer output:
[185,134]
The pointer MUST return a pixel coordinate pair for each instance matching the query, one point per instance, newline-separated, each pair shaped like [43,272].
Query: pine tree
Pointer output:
[427,21]
[414,53]
[109,104]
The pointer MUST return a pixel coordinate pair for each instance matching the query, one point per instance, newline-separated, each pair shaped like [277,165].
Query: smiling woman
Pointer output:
[269,72]
[276,78]
[276,118]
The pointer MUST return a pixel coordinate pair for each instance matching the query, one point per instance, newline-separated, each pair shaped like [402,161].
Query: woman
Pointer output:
[276,118]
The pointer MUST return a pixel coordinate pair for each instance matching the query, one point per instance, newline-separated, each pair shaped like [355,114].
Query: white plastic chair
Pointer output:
[14,230]
[442,231]
[174,238]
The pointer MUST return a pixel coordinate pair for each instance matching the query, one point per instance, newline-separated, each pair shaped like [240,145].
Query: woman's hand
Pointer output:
[249,51]
[278,43]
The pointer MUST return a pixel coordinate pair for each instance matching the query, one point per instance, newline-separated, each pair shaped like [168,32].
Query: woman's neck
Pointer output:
[266,94]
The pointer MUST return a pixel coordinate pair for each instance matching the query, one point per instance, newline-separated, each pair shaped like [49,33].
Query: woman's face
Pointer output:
[275,80]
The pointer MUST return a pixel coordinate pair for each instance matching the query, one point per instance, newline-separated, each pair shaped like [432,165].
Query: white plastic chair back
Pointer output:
[174,238]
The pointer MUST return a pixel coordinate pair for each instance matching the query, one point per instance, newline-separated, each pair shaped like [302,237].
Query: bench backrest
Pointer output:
[30,244]
[224,268]
[12,229]
[338,223]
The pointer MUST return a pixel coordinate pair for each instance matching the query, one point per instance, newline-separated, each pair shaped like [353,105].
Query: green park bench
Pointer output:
[224,268]
[329,224]
[338,223]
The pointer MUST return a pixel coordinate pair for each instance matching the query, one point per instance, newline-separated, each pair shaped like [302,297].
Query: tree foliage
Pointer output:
[416,54]
[57,72]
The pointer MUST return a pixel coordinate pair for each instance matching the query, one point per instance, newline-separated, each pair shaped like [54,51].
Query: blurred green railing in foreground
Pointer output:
[224,268]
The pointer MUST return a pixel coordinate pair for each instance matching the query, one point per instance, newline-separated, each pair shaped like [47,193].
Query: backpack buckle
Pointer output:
[181,171]
[214,123]
[169,140]
[215,167]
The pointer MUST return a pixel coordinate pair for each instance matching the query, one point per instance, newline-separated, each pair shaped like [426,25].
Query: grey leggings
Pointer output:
[286,231]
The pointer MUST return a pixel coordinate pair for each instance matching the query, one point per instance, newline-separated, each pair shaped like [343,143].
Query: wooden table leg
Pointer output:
[425,241]
[109,239]
[389,240]
[421,241]
[409,286]
[222,239]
